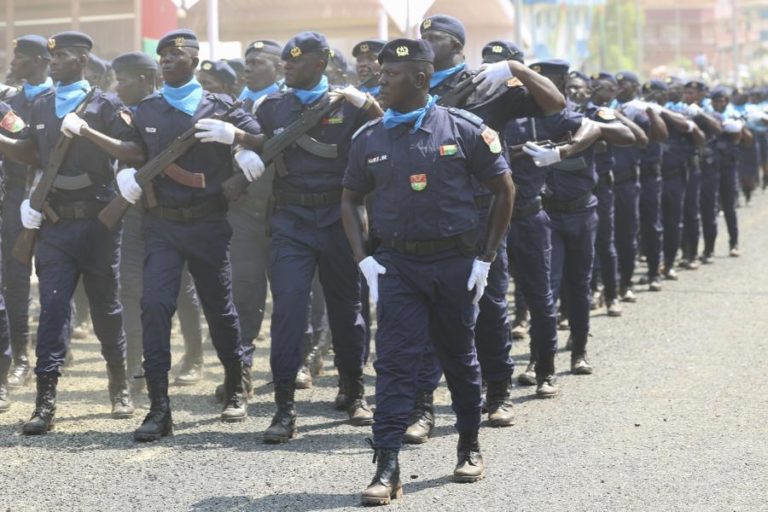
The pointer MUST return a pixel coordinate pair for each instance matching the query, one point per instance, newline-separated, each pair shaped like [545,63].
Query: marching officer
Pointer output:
[419,162]
[218,78]
[366,54]
[77,245]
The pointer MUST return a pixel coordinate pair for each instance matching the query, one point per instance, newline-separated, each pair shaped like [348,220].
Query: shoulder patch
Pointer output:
[12,123]
[491,139]
[126,116]
[469,116]
[606,114]
[369,124]
[514,82]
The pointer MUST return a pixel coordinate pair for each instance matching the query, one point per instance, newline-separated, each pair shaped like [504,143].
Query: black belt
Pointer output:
[76,210]
[191,213]
[313,200]
[620,177]
[605,180]
[532,207]
[426,247]
[652,171]
[567,206]
[484,201]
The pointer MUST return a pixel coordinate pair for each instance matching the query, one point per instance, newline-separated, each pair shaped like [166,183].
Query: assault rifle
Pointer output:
[457,96]
[516,151]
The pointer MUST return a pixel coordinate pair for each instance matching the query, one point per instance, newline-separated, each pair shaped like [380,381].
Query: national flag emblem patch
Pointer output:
[418,182]
[448,150]
[12,123]
[491,139]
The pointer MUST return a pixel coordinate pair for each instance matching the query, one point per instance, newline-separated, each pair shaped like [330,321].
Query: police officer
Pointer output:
[238,65]
[30,64]
[307,233]
[77,245]
[337,68]
[749,150]
[419,162]
[188,224]
[218,77]
[366,54]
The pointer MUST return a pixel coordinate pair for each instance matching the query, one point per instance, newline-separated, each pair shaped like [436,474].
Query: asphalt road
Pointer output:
[674,418]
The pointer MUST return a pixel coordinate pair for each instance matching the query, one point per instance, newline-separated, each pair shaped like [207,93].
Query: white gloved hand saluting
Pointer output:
[372,270]
[250,163]
[478,278]
[30,218]
[542,156]
[354,96]
[215,130]
[128,186]
[492,76]
[72,124]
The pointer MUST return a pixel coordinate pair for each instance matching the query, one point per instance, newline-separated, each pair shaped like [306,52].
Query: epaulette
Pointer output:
[367,125]
[469,116]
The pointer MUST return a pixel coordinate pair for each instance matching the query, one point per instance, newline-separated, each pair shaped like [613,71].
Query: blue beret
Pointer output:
[338,58]
[266,46]
[578,74]
[551,67]
[32,45]
[70,39]
[97,65]
[506,49]
[445,23]
[655,85]
[720,91]
[627,76]
[603,75]
[182,38]
[237,64]
[403,50]
[220,70]
[696,84]
[368,46]
[134,61]
[674,81]
[305,42]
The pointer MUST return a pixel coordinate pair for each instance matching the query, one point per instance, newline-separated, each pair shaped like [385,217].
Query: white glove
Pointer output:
[354,96]
[72,124]
[542,156]
[30,219]
[755,117]
[250,163]
[126,183]
[215,130]
[732,126]
[371,270]
[492,77]
[478,278]
[694,110]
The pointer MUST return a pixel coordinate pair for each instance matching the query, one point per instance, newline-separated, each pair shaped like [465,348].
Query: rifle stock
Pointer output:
[459,94]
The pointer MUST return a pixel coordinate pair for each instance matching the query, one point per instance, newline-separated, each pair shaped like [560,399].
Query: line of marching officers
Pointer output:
[405,194]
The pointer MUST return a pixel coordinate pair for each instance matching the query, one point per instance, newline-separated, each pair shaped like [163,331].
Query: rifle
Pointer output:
[24,246]
[516,151]
[459,94]
[113,213]
[273,148]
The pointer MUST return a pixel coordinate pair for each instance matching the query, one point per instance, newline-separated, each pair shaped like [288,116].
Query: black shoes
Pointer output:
[386,485]
[20,373]
[42,419]
[122,405]
[235,402]
[357,407]
[158,423]
[283,427]
[499,404]
[469,467]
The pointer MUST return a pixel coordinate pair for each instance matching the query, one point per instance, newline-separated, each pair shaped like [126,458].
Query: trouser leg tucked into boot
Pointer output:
[283,427]
[470,467]
[386,485]
[545,376]
[499,403]
[359,412]
[579,363]
[235,405]
[42,419]
[122,405]
[158,422]
[422,419]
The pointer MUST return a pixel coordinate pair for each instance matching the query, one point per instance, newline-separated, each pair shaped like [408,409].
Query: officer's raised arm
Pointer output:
[544,92]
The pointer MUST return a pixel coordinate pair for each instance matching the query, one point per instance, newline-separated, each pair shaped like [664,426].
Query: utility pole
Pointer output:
[213,27]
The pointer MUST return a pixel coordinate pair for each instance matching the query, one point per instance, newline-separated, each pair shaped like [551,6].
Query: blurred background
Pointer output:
[721,40]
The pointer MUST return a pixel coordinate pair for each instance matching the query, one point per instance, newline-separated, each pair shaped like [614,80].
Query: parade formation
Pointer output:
[399,211]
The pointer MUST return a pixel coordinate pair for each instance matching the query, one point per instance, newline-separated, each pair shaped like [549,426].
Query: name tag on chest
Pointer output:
[150,129]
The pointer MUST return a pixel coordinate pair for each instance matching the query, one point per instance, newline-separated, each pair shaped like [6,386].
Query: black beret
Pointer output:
[302,43]
[627,76]
[507,49]
[402,50]
[674,81]
[237,64]
[181,38]
[368,46]
[604,75]
[134,62]
[551,67]
[220,70]
[445,23]
[266,46]
[32,45]
[655,85]
[97,64]
[70,39]
[696,84]
[720,91]
[338,58]
[578,74]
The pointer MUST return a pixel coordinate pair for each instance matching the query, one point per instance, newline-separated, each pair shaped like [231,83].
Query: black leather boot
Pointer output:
[499,403]
[386,485]
[283,427]
[422,419]
[528,377]
[158,422]
[470,467]
[235,405]
[5,367]
[220,392]
[545,376]
[42,419]
[122,405]
[359,412]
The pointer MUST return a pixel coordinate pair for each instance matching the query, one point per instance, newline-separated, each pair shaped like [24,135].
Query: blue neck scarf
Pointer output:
[68,97]
[393,118]
[438,77]
[312,95]
[255,96]
[185,98]
[373,91]
[33,91]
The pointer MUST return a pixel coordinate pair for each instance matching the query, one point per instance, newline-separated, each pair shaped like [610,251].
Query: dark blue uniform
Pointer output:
[424,194]
[727,158]
[692,207]
[716,146]
[307,234]
[679,153]
[79,244]
[190,225]
[651,229]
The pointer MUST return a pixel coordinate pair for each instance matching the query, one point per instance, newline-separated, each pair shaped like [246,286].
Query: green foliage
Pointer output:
[613,42]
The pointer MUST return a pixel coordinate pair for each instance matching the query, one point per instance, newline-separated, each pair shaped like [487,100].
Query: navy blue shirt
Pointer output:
[104,113]
[308,173]
[422,182]
[628,157]
[604,160]
[159,124]
[14,171]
